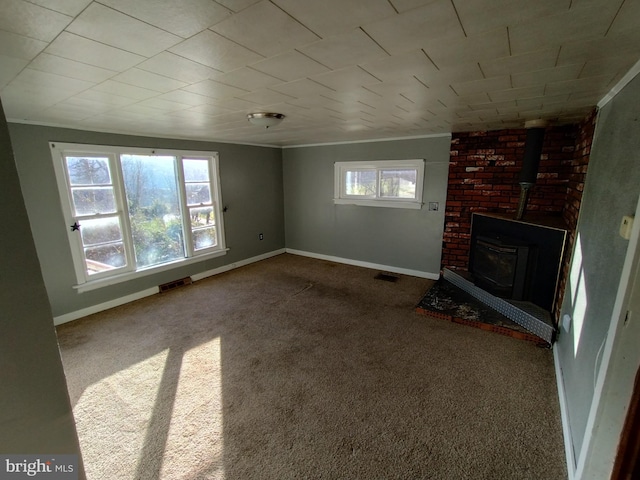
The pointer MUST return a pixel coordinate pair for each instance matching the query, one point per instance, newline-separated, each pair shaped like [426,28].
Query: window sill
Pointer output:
[125,277]
[379,203]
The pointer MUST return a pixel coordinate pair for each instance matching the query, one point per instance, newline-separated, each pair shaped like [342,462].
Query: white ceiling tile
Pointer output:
[102,97]
[237,5]
[214,89]
[417,28]
[627,42]
[184,18]
[599,84]
[345,79]
[124,90]
[541,77]
[300,88]
[149,80]
[93,53]
[265,97]
[516,64]
[331,17]
[18,46]
[627,18]
[290,66]
[476,48]
[215,51]
[347,49]
[9,68]
[246,78]
[480,15]
[403,5]
[554,30]
[210,109]
[68,7]
[175,66]
[402,66]
[35,79]
[484,85]
[89,102]
[62,113]
[108,26]
[43,89]
[186,98]
[455,74]
[163,105]
[255,26]
[620,63]
[69,68]
[31,20]
[508,94]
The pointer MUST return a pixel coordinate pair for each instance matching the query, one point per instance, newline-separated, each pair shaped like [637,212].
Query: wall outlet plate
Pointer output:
[625,227]
[433,206]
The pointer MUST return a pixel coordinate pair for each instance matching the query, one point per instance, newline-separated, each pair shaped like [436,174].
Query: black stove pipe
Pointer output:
[530,163]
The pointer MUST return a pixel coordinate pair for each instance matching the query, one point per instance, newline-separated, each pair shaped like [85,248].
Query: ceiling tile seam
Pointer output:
[133,18]
[250,67]
[320,83]
[393,6]
[614,17]
[430,59]
[421,82]
[294,19]
[229,40]
[145,58]
[459,19]
[177,55]
[374,41]
[313,59]
[369,90]
[407,98]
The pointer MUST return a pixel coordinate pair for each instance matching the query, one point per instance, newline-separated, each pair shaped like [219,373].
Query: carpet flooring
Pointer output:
[300,368]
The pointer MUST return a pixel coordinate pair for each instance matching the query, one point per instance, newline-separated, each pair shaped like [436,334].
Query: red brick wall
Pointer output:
[575,187]
[483,177]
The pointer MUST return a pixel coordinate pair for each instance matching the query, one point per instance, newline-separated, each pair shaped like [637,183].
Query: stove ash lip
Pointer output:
[530,162]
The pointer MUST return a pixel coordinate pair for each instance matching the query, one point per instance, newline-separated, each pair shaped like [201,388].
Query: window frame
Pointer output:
[85,282]
[376,200]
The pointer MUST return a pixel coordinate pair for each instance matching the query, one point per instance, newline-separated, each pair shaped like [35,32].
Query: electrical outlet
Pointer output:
[433,206]
[260,236]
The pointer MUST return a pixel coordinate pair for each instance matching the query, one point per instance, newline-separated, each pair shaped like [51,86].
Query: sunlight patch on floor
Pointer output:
[104,412]
[194,447]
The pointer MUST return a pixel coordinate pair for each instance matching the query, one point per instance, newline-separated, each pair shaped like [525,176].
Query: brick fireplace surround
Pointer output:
[483,177]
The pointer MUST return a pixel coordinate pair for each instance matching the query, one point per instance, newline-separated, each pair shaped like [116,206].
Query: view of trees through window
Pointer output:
[155,195]
[381,182]
[151,186]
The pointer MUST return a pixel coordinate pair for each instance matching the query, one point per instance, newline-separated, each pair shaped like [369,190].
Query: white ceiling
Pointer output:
[340,70]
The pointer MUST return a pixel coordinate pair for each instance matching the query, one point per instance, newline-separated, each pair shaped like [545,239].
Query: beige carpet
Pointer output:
[300,368]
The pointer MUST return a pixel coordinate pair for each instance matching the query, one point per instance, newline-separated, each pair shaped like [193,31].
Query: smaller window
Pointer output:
[382,183]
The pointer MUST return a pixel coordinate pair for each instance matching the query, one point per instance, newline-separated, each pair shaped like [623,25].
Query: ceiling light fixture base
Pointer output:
[265,119]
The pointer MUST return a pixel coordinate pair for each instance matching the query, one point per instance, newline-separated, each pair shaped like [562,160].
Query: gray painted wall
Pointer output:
[611,190]
[251,185]
[407,239]
[35,412]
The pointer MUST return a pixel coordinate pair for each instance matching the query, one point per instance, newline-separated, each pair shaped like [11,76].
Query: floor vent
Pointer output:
[165,287]
[387,277]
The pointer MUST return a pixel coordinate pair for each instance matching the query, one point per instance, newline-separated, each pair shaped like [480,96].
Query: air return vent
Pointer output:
[387,277]
[165,287]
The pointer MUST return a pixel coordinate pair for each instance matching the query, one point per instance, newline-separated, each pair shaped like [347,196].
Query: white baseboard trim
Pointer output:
[373,266]
[564,415]
[231,266]
[83,312]
[68,317]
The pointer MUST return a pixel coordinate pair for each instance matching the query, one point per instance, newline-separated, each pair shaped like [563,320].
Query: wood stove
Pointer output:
[502,266]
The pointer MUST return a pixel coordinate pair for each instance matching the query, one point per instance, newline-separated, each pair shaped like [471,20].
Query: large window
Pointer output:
[384,183]
[131,211]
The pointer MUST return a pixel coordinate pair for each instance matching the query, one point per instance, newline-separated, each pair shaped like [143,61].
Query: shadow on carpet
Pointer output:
[448,302]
